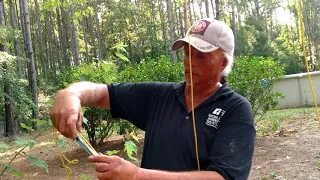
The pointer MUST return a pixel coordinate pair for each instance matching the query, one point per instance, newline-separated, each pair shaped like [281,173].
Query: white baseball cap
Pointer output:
[208,35]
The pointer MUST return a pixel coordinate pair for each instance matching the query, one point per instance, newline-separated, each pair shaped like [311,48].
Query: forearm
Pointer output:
[146,174]
[90,94]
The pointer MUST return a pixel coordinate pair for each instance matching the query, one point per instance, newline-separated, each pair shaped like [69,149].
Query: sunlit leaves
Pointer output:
[24,142]
[113,152]
[130,147]
[38,162]
[13,171]
[4,147]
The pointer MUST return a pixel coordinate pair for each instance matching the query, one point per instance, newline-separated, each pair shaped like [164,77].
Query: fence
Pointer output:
[296,88]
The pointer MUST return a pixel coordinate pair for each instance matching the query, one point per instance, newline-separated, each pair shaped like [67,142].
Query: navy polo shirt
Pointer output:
[224,123]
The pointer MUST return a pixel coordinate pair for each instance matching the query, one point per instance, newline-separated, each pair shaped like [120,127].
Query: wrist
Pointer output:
[72,92]
[140,174]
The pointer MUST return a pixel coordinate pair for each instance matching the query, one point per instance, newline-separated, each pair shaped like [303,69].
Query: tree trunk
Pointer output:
[74,39]
[49,58]
[201,10]
[212,6]
[10,124]
[307,33]
[190,12]
[233,24]
[30,55]
[85,38]
[206,3]
[98,29]
[22,24]
[55,56]
[217,9]
[15,42]
[93,40]
[162,19]
[63,35]
[181,23]
[315,30]
[171,26]
[40,39]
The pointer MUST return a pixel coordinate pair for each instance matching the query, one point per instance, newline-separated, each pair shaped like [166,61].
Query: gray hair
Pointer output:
[228,68]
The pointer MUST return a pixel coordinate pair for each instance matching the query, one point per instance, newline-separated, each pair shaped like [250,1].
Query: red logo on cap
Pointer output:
[198,27]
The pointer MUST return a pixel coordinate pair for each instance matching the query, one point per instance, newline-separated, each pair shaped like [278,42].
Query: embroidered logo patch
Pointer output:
[200,27]
[214,117]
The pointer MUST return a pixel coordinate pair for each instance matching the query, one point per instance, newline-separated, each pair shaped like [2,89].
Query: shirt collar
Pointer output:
[223,91]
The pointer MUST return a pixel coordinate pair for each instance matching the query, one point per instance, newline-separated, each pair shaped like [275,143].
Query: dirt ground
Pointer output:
[290,154]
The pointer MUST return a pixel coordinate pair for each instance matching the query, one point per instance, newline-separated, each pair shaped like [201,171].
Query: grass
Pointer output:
[275,120]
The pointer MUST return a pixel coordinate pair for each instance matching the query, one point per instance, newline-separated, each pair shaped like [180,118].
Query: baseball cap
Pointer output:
[208,35]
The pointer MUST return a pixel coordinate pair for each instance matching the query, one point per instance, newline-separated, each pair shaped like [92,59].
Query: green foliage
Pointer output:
[97,121]
[161,70]
[20,97]
[24,142]
[254,79]
[20,145]
[4,147]
[8,34]
[130,147]
[13,171]
[113,152]
[85,176]
[38,162]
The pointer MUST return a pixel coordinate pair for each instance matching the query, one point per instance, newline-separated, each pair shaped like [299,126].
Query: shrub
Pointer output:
[254,79]
[97,123]
[161,70]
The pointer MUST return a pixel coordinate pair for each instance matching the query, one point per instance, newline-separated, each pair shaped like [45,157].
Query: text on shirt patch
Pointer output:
[214,117]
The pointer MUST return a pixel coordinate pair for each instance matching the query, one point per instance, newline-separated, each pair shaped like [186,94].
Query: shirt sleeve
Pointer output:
[233,145]
[132,101]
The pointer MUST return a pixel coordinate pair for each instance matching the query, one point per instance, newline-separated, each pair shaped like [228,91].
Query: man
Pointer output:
[224,121]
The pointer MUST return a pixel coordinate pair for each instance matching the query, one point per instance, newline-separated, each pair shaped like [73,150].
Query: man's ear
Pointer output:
[224,62]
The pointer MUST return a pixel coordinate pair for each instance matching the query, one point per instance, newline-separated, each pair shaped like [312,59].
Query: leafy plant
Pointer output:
[130,147]
[20,146]
[97,121]
[254,79]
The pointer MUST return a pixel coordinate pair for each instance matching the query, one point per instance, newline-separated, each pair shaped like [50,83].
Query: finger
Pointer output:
[102,167]
[104,176]
[79,121]
[103,159]
[61,118]
[72,125]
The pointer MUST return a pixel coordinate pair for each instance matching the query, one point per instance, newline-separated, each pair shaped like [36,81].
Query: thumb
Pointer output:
[72,125]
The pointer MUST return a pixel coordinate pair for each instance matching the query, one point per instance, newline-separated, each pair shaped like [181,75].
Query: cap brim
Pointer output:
[197,43]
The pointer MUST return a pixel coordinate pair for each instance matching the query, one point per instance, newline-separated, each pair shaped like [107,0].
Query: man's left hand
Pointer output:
[114,168]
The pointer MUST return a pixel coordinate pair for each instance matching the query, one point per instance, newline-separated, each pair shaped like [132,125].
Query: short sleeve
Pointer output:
[132,101]
[233,145]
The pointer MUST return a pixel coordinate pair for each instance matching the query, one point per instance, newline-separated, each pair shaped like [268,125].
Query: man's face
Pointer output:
[206,67]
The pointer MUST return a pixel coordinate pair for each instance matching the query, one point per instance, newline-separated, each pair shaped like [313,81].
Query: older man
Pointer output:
[223,118]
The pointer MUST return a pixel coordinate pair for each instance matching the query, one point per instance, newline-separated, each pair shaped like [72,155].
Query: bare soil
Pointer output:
[292,154]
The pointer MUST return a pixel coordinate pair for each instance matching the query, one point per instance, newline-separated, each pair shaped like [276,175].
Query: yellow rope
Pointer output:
[305,58]
[191,87]
[64,160]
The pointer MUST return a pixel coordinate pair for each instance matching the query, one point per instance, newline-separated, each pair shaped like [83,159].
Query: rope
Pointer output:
[305,59]
[191,87]
[64,160]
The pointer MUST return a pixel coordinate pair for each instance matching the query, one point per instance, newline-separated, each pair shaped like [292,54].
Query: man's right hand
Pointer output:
[66,115]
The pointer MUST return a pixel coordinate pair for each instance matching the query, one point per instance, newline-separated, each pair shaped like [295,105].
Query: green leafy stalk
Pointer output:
[19,152]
